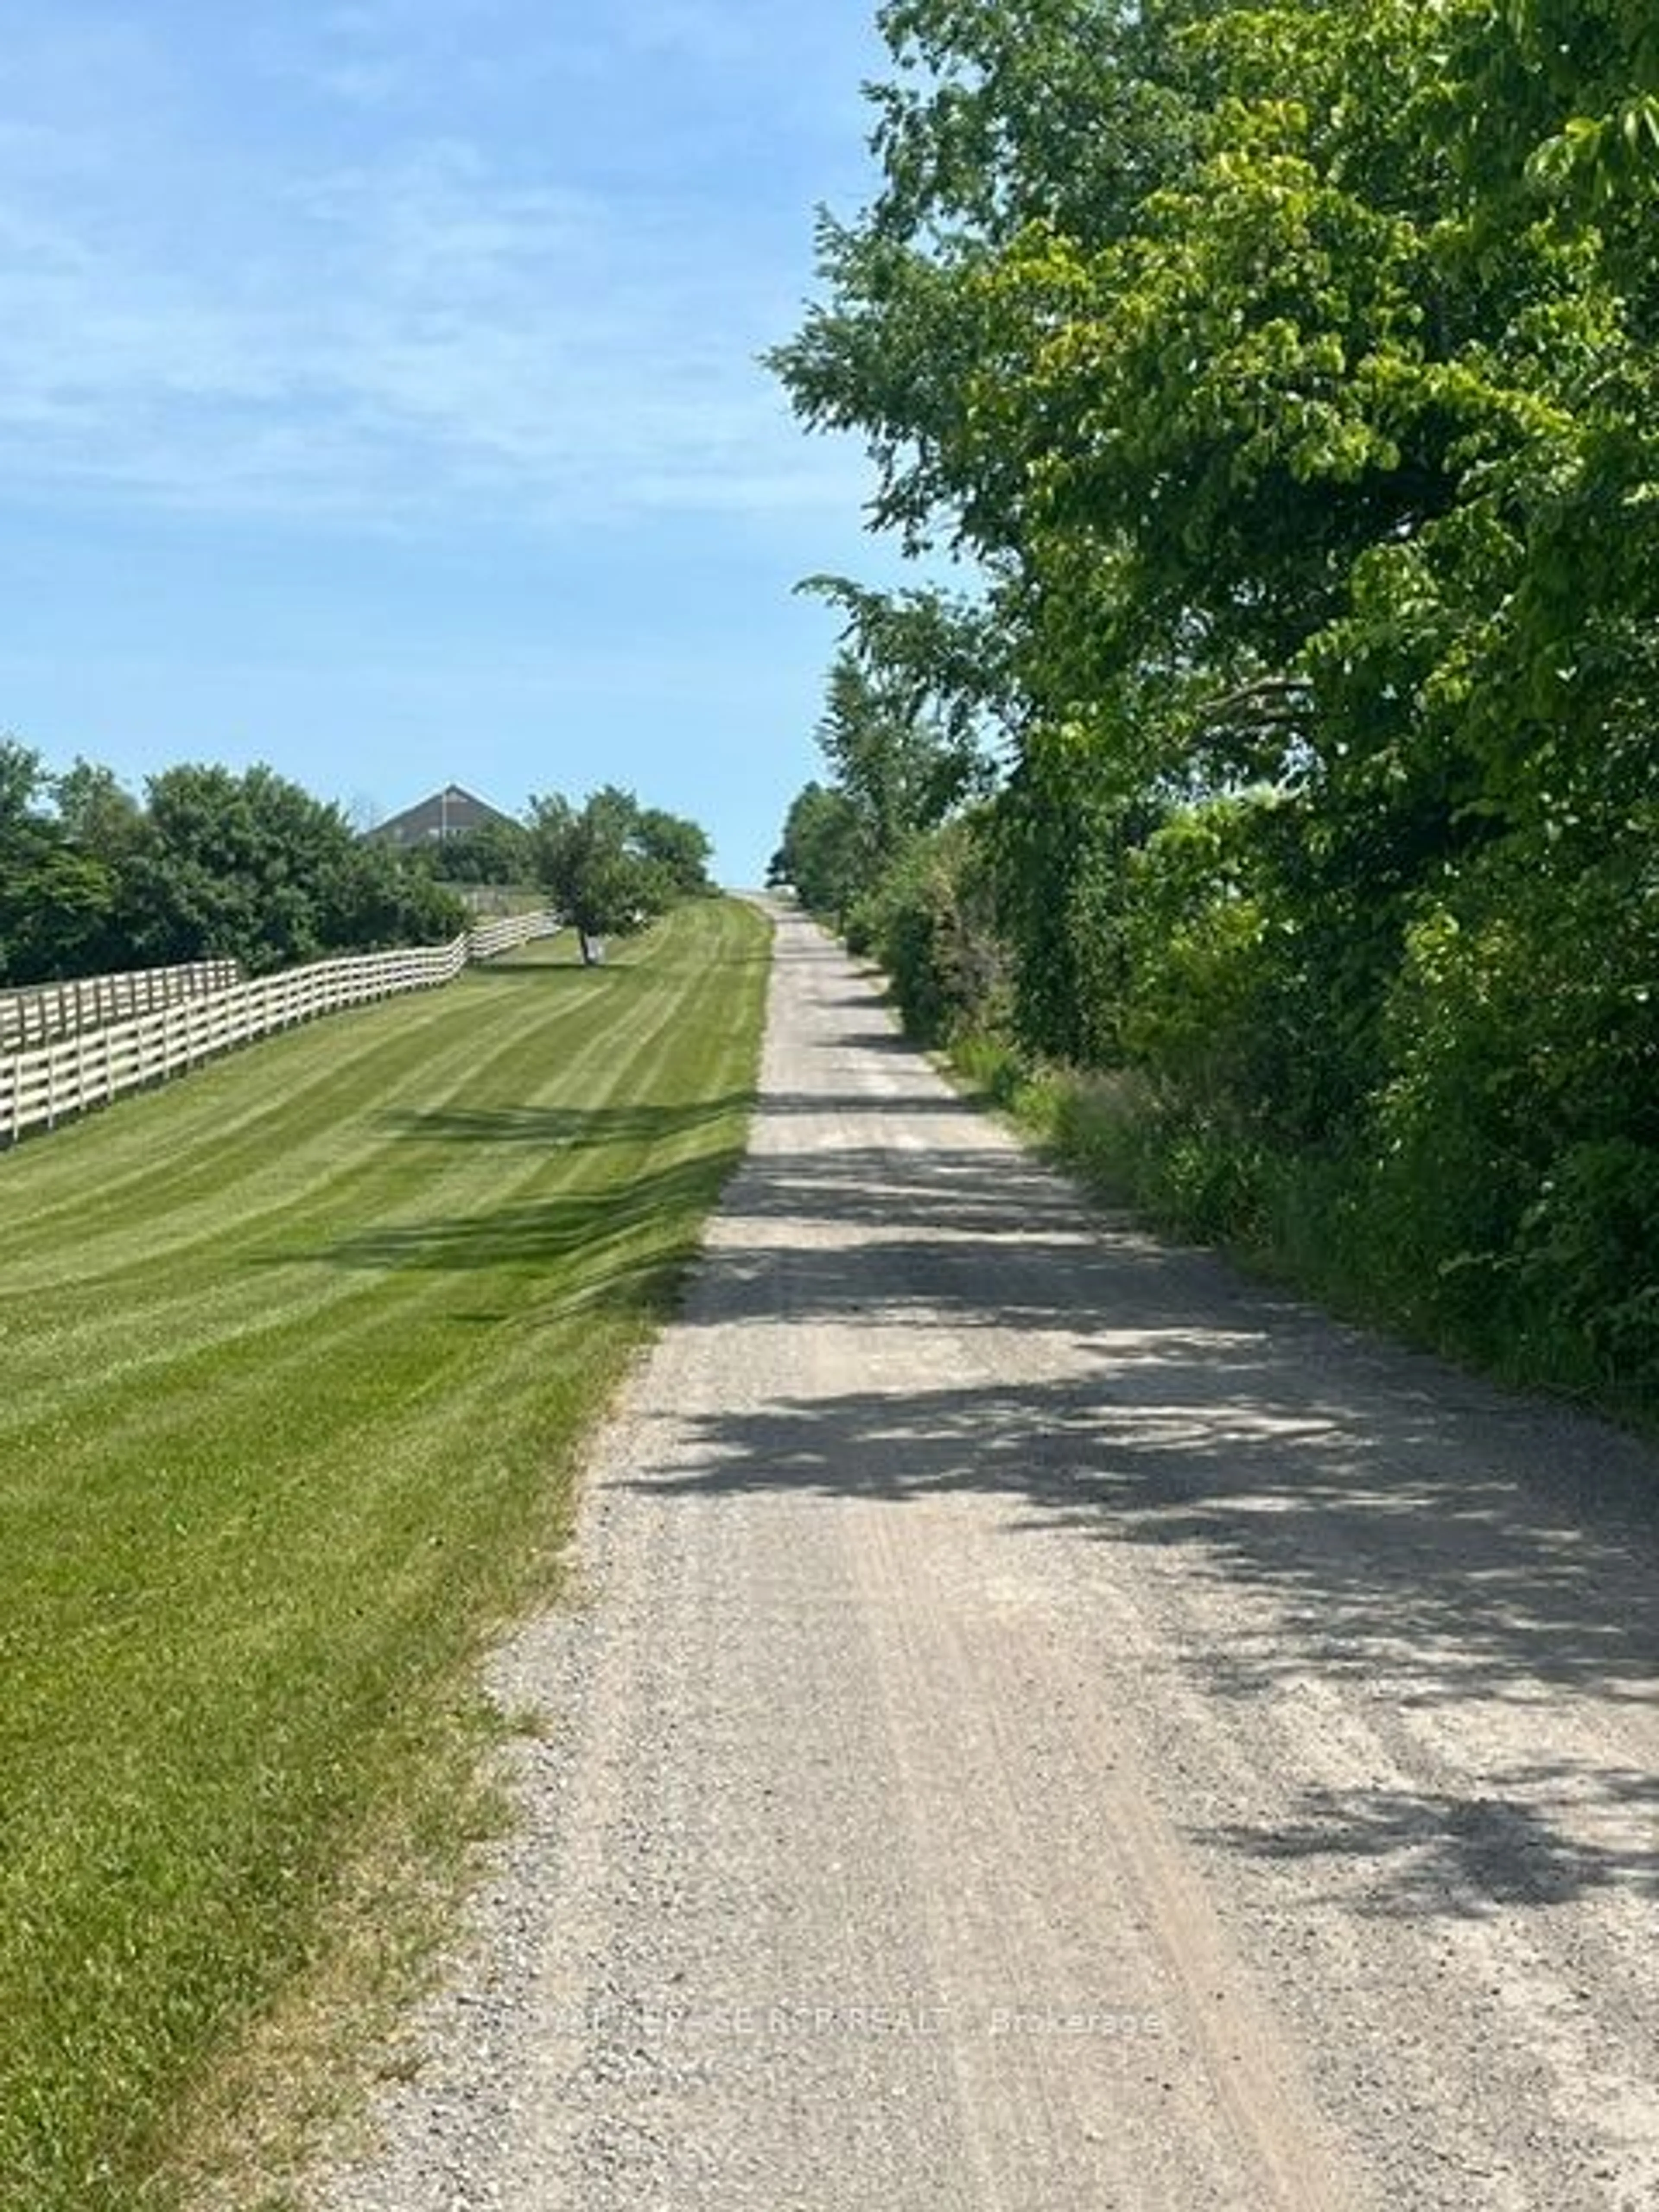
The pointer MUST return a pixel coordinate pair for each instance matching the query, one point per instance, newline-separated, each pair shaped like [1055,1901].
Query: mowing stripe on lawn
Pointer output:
[294,1359]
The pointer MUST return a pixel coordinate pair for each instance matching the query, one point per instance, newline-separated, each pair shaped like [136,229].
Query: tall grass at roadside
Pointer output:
[295,1358]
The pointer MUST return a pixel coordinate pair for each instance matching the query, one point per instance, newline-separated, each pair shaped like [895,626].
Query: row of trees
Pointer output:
[252,867]
[1285,379]
[209,864]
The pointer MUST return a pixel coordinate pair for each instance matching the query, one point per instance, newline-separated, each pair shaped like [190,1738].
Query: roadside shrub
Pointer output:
[1513,1134]
[1588,1258]
[1208,981]
[928,922]
[1057,843]
[1000,1072]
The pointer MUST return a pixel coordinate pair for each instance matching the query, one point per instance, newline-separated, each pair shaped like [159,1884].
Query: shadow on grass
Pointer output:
[563,963]
[621,1244]
[570,1235]
[565,1127]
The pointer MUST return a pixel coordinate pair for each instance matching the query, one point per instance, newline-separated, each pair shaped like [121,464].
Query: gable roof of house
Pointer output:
[446,813]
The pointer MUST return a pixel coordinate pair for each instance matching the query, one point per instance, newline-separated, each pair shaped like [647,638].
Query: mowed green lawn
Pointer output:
[294,1357]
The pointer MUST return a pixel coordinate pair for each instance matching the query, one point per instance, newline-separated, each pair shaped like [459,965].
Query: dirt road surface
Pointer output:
[1050,1728]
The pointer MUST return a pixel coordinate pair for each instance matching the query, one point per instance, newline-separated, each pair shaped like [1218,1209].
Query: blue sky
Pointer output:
[378,393]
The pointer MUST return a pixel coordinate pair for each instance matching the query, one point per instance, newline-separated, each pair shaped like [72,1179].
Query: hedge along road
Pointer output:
[1052,1728]
[294,1356]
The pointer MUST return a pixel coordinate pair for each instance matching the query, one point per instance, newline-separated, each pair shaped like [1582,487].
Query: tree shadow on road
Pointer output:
[1535,1836]
[1389,1517]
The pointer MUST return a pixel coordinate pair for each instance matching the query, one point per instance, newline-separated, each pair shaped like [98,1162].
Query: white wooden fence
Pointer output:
[43,1086]
[486,939]
[55,1009]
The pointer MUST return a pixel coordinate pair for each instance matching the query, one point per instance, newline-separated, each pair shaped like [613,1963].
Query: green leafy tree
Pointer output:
[897,772]
[228,868]
[55,897]
[23,785]
[97,813]
[252,867]
[821,855]
[678,849]
[494,853]
[599,865]
[370,897]
[1185,323]
[901,773]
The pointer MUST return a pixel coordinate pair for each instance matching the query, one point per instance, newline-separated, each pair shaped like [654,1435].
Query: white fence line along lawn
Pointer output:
[45,1011]
[93,1066]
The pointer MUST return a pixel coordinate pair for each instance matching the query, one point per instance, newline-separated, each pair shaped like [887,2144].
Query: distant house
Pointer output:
[449,813]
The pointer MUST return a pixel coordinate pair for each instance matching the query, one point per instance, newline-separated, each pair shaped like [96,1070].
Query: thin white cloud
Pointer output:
[438,319]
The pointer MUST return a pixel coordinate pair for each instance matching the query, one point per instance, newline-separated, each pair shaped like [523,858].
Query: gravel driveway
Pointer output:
[1051,1728]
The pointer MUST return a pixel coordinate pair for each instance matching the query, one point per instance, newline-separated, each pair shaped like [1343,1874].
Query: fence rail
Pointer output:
[508,931]
[47,1011]
[43,1086]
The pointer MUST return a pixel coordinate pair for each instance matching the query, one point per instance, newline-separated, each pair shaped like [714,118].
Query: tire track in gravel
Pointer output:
[1051,1727]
